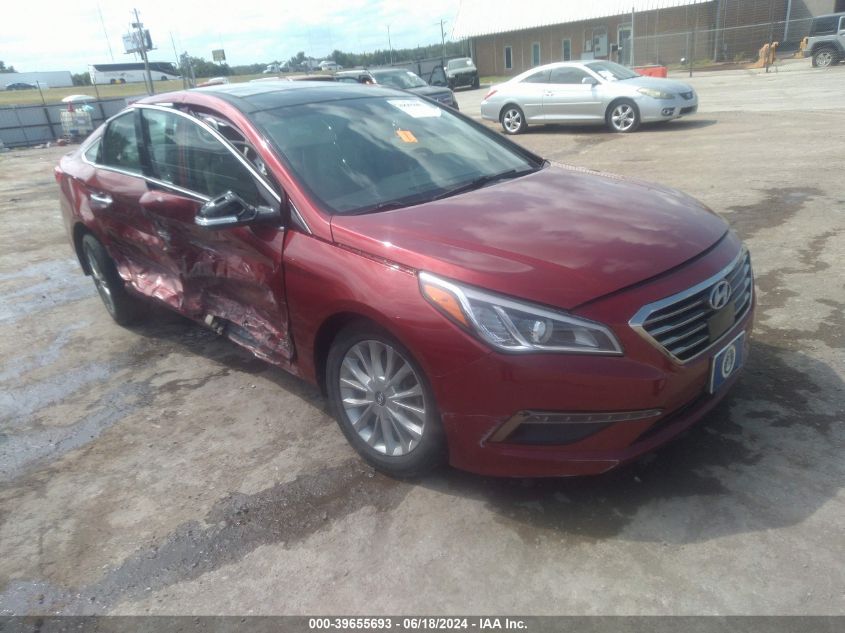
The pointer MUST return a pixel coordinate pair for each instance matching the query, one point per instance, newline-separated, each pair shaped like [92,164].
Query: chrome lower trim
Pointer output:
[557,417]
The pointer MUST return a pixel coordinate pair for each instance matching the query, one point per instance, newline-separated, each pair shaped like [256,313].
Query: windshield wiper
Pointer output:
[381,206]
[478,183]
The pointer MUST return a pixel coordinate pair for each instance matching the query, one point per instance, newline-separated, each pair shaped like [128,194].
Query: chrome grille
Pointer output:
[680,324]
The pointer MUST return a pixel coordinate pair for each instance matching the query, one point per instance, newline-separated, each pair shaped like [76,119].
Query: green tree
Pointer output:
[6,69]
[81,79]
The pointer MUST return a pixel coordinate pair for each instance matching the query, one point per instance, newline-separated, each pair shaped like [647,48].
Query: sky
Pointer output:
[49,35]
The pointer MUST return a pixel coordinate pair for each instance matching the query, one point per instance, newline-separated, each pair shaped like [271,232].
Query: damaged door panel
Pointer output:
[113,189]
[231,278]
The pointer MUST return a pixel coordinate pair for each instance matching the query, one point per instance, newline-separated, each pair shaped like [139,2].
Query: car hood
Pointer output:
[658,84]
[560,236]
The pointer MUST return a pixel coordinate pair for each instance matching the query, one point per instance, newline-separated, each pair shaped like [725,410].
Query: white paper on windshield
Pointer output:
[415,108]
[607,75]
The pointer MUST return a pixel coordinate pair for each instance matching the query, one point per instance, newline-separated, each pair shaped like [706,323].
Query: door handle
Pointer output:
[101,200]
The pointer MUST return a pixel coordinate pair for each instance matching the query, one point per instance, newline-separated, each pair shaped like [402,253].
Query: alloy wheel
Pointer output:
[512,120]
[623,117]
[824,59]
[382,397]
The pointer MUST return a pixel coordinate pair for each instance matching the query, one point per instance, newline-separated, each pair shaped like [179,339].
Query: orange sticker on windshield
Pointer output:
[406,136]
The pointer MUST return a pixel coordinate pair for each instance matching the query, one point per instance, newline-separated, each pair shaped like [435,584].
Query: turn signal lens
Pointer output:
[444,300]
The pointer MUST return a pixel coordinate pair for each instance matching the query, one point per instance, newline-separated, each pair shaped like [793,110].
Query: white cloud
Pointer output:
[56,35]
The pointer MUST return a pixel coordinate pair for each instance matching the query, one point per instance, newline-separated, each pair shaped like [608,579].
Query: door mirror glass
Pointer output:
[230,210]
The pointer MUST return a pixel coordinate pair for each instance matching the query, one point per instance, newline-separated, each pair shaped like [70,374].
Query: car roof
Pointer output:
[251,97]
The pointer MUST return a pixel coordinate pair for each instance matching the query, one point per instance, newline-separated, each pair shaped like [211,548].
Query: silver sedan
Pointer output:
[586,92]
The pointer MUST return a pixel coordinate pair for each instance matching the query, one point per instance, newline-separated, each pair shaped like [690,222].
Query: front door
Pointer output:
[232,276]
[567,98]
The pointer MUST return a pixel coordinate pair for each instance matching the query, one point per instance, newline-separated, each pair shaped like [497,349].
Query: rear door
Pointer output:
[113,190]
[232,277]
[566,98]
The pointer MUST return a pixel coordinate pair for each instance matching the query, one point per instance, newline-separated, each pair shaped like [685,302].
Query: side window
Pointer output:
[186,155]
[567,76]
[842,23]
[120,144]
[541,77]
[92,154]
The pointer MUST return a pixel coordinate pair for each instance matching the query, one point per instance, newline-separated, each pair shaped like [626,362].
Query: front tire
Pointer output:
[825,57]
[623,117]
[513,120]
[383,403]
[123,307]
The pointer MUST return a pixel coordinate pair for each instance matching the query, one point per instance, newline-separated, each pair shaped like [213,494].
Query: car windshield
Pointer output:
[611,71]
[454,64]
[371,154]
[402,79]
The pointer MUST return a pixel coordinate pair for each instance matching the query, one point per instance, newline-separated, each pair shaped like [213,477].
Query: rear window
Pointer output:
[824,26]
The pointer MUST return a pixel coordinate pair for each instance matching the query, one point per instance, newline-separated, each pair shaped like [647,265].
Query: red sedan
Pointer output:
[456,296]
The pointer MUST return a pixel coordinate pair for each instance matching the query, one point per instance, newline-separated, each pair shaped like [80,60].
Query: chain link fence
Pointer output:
[706,47]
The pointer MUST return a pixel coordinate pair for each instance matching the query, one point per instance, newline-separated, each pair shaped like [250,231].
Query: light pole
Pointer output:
[389,45]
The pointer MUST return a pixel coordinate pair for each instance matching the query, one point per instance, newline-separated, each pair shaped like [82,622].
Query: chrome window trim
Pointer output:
[222,139]
[189,192]
[638,320]
[297,216]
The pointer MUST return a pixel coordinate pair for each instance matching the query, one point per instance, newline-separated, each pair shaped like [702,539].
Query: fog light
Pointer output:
[668,111]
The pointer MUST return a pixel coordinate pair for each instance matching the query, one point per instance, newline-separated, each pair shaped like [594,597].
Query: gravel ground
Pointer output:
[160,469]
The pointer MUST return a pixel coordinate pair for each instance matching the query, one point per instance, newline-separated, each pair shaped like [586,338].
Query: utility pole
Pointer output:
[442,42]
[631,56]
[389,45]
[142,47]
[105,32]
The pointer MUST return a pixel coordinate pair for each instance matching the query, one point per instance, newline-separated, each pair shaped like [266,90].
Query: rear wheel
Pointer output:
[513,120]
[383,403]
[824,57]
[123,307]
[623,117]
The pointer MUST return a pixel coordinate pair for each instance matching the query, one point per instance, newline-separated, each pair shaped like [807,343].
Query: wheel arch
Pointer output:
[616,100]
[328,331]
[79,232]
[509,104]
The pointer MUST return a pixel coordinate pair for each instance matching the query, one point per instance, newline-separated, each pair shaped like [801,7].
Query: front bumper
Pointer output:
[463,79]
[638,402]
[652,110]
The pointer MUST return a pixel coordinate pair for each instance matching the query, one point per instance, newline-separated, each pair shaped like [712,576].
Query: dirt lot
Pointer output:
[162,470]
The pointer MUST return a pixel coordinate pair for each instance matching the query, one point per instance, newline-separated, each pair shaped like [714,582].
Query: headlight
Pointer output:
[514,326]
[655,94]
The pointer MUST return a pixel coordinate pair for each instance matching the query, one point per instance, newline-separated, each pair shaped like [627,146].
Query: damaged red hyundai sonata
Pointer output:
[454,295]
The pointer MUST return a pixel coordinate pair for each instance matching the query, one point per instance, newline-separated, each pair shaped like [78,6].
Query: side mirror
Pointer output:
[589,81]
[230,210]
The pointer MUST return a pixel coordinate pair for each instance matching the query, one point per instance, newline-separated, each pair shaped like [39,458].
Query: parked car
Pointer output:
[453,294]
[329,65]
[826,42]
[461,72]
[402,80]
[586,92]
[21,85]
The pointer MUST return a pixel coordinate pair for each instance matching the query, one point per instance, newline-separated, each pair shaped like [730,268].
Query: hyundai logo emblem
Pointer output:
[720,295]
